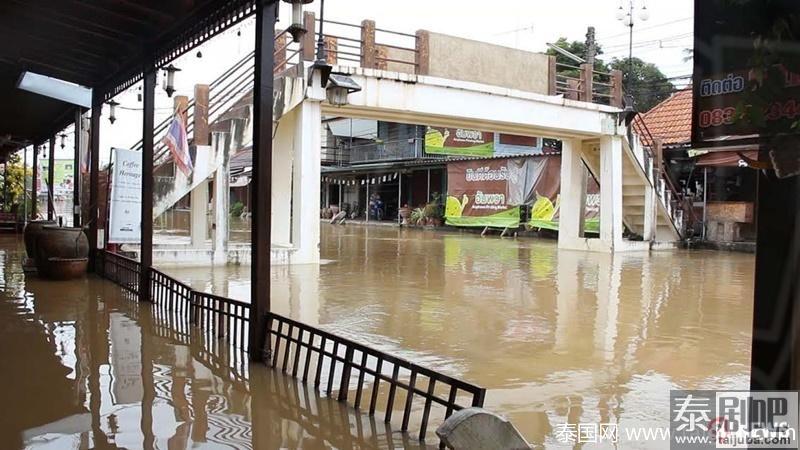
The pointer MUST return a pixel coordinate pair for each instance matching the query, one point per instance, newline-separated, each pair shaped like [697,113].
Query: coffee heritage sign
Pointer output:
[126,197]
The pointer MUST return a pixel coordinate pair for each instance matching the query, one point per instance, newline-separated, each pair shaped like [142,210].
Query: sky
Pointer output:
[523,24]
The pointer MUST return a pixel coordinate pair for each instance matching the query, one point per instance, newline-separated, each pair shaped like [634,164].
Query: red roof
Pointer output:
[671,120]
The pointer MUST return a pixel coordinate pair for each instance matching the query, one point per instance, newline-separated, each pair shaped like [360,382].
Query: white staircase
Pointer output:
[638,175]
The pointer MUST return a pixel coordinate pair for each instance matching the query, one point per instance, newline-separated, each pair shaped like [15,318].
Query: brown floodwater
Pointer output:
[82,366]
[555,336]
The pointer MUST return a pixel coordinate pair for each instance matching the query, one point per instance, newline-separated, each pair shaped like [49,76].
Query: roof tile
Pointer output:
[671,120]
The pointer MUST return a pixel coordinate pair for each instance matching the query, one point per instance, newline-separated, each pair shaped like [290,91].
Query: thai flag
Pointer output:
[178,145]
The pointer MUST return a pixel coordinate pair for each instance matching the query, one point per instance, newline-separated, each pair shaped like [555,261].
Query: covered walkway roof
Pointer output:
[100,44]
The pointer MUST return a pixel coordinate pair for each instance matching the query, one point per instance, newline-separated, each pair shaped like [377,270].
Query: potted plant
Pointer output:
[405,214]
[417,216]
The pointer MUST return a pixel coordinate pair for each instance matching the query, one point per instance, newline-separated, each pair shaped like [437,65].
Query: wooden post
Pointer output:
[76,171]
[587,83]
[148,122]
[309,39]
[572,89]
[34,182]
[262,181]
[552,70]
[281,44]
[94,177]
[200,132]
[331,50]
[368,44]
[423,52]
[51,163]
[616,88]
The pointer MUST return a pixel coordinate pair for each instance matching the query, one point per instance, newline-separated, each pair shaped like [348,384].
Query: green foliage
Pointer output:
[648,85]
[16,182]
[417,216]
[236,209]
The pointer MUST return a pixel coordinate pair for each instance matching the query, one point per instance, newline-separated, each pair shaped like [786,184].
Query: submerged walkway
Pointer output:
[86,367]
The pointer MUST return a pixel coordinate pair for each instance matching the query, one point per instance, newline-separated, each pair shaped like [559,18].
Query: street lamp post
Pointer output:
[625,15]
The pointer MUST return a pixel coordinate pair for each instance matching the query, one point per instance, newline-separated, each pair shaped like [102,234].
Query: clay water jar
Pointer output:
[31,233]
[58,248]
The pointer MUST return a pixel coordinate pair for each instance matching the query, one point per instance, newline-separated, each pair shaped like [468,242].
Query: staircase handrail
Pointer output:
[646,138]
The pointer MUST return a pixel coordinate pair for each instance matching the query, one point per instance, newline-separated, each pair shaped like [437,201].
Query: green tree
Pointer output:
[648,85]
[15,177]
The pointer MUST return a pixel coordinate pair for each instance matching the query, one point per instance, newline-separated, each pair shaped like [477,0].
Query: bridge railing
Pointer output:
[584,83]
[322,359]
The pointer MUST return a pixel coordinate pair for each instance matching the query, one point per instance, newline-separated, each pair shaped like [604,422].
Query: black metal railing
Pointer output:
[223,318]
[121,270]
[338,366]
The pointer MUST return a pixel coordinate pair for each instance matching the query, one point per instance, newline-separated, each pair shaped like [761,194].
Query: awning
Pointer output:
[726,158]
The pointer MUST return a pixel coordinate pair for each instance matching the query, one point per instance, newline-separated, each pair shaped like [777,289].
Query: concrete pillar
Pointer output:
[616,88]
[221,201]
[650,213]
[281,44]
[573,87]
[309,39]
[199,216]
[573,194]
[551,75]
[611,191]
[368,44]
[587,83]
[200,132]
[423,53]
[282,156]
[305,182]
[331,50]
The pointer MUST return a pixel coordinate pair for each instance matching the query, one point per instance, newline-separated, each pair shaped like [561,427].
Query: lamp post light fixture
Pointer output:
[169,80]
[625,15]
[112,111]
[339,87]
[296,29]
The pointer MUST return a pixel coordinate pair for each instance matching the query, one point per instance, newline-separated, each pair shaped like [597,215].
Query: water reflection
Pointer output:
[556,336]
[84,367]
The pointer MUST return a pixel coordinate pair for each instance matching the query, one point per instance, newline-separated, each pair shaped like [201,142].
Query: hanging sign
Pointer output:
[126,197]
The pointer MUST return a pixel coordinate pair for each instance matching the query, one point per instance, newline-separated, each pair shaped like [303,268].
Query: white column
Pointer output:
[611,192]
[650,213]
[282,155]
[199,214]
[306,178]
[221,203]
[573,195]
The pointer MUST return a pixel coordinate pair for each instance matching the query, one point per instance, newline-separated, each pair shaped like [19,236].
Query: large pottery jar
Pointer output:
[31,233]
[61,252]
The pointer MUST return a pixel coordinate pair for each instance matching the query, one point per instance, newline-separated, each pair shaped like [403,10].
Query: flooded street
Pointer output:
[86,367]
[555,336]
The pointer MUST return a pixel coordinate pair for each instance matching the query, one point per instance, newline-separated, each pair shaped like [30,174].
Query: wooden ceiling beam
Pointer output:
[76,20]
[161,16]
[93,6]
[33,20]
